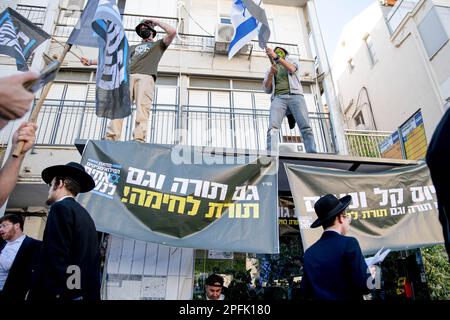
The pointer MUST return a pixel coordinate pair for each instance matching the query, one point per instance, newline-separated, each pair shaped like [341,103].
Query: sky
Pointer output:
[333,16]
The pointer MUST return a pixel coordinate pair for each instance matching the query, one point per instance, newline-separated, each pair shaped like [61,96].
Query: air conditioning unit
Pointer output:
[224,35]
[292,147]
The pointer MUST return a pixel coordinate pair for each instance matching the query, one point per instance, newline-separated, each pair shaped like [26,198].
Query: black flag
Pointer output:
[19,37]
[100,25]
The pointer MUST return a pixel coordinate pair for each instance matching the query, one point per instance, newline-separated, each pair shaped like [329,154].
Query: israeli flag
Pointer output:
[245,27]
[249,20]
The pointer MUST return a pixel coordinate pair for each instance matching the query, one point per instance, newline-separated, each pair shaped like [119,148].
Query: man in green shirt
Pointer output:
[144,60]
[282,81]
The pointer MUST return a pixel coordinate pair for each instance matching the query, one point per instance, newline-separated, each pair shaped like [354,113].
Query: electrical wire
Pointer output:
[181,4]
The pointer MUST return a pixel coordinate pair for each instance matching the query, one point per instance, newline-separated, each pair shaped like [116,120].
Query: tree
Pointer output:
[437,270]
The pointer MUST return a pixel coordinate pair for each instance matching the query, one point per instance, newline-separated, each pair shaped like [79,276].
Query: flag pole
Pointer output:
[33,117]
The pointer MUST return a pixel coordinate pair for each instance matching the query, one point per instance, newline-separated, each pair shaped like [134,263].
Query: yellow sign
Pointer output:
[414,138]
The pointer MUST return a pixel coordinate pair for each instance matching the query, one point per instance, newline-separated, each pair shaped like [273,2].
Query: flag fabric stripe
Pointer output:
[6,16]
[28,47]
[243,29]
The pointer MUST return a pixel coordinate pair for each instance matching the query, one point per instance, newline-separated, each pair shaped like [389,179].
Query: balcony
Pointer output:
[399,12]
[35,14]
[365,143]
[67,19]
[61,122]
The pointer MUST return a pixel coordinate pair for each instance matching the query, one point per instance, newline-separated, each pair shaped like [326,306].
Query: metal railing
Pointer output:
[365,143]
[246,128]
[35,14]
[399,12]
[67,19]
[61,122]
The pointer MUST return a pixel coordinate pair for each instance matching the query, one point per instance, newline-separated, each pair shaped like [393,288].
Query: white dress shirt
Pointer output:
[7,257]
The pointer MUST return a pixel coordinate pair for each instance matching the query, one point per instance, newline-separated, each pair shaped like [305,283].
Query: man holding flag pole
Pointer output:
[282,80]
[144,59]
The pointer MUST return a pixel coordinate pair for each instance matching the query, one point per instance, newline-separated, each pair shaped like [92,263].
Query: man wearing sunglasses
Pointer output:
[282,80]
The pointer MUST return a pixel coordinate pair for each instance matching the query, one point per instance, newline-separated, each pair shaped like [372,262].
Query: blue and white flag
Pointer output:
[100,25]
[249,20]
[19,37]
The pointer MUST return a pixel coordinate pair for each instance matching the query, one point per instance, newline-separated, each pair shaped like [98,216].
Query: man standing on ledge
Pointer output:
[282,80]
[144,60]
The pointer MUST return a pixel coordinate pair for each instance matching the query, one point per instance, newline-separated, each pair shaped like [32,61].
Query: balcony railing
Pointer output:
[365,143]
[246,128]
[399,12]
[61,122]
[68,18]
[35,14]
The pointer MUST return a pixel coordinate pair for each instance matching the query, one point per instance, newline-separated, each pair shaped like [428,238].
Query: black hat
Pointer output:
[214,280]
[73,170]
[285,51]
[328,207]
[148,25]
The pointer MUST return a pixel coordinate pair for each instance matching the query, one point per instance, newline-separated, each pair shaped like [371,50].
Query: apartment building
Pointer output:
[393,60]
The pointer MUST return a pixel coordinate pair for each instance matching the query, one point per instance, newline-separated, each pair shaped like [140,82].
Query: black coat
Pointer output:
[334,269]
[438,161]
[70,239]
[18,282]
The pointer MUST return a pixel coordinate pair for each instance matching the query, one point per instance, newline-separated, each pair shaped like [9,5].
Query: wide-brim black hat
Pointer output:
[328,207]
[73,170]
[143,23]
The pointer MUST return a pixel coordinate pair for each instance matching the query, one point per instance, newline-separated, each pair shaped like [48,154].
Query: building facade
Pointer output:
[392,60]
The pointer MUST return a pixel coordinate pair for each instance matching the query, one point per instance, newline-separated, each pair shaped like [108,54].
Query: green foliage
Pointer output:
[239,286]
[364,146]
[437,269]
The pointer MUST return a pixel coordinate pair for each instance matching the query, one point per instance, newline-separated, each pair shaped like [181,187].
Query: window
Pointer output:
[432,32]
[247,85]
[371,50]
[359,119]
[70,75]
[209,83]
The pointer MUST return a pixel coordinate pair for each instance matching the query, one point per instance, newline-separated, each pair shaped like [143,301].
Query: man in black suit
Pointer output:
[334,267]
[70,257]
[438,160]
[18,256]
